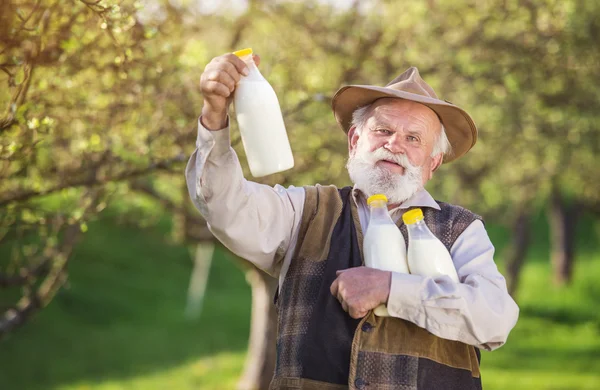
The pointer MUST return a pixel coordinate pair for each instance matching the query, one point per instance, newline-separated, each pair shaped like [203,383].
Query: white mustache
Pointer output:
[383,154]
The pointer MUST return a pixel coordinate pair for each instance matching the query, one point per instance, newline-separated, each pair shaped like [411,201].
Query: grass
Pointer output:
[120,322]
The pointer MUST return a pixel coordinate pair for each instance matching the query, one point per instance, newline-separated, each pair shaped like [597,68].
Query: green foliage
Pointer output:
[111,87]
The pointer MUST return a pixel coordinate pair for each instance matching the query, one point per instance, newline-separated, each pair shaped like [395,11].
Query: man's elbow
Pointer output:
[192,181]
[500,325]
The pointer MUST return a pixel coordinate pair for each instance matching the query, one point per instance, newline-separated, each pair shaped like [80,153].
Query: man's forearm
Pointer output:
[212,119]
[478,311]
[254,221]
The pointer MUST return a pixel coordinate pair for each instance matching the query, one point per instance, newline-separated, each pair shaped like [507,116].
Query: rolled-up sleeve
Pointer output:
[254,221]
[477,311]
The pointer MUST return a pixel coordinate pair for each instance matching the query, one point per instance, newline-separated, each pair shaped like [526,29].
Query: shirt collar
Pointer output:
[421,198]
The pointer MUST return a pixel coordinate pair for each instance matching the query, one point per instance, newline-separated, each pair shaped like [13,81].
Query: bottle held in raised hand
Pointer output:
[260,121]
[383,246]
[427,256]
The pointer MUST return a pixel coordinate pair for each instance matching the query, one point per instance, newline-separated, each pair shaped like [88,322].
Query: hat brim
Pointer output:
[460,128]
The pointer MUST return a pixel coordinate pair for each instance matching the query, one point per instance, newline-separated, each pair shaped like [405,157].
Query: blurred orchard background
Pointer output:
[109,278]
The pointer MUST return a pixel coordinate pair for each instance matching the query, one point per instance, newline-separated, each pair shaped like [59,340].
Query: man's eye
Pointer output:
[383,131]
[412,138]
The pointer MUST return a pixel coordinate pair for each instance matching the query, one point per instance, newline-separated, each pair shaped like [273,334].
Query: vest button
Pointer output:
[360,383]
[366,327]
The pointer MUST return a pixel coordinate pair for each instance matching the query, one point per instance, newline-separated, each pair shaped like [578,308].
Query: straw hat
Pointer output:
[460,128]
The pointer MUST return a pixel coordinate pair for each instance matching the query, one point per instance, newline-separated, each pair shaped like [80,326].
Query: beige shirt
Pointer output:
[260,224]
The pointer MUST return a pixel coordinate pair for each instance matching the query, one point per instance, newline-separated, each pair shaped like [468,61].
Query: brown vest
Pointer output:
[320,347]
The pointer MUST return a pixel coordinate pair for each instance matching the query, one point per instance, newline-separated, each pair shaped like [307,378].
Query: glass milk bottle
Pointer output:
[427,256]
[260,121]
[383,246]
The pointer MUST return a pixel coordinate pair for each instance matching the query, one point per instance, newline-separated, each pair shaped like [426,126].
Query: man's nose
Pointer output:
[395,145]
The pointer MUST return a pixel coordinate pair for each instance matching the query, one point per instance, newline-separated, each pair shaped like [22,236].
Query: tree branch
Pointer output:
[33,301]
[200,231]
[91,180]
[17,99]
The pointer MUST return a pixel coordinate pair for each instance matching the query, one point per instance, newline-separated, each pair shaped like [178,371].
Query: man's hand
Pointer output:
[361,289]
[217,84]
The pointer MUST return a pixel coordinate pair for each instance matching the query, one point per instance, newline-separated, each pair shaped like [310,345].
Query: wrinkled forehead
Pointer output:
[399,112]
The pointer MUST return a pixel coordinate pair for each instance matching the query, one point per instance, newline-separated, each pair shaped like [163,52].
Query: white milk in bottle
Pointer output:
[383,246]
[261,123]
[427,256]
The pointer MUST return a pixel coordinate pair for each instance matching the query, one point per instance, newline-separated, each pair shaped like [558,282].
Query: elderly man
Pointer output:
[311,239]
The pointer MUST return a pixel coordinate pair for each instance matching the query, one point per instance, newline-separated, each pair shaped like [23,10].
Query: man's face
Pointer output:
[392,153]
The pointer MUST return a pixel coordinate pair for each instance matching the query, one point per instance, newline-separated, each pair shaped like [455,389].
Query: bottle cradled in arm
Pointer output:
[383,246]
[427,256]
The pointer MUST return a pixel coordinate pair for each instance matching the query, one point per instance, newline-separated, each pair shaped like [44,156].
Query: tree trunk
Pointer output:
[521,237]
[563,220]
[199,279]
[260,360]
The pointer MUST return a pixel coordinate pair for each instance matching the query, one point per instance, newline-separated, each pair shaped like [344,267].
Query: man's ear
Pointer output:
[353,137]
[437,162]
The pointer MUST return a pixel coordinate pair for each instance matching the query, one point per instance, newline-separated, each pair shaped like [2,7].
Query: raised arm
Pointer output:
[254,221]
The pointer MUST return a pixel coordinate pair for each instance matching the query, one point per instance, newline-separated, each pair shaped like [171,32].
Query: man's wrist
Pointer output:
[212,120]
[386,287]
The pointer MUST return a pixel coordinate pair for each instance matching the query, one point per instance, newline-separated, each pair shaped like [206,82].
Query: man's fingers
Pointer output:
[356,314]
[221,77]
[334,287]
[229,69]
[256,59]
[216,88]
[236,62]
[228,81]
[341,271]
[337,293]
[344,306]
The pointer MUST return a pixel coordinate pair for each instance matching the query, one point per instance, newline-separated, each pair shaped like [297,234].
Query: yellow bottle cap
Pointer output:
[412,216]
[375,197]
[243,52]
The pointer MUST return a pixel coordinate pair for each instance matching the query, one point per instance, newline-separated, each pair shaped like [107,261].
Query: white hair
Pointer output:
[442,144]
[360,116]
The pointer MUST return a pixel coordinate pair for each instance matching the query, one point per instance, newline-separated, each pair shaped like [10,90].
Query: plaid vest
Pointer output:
[319,346]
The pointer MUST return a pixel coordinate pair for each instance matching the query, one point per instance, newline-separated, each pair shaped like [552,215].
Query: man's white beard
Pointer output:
[372,179]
